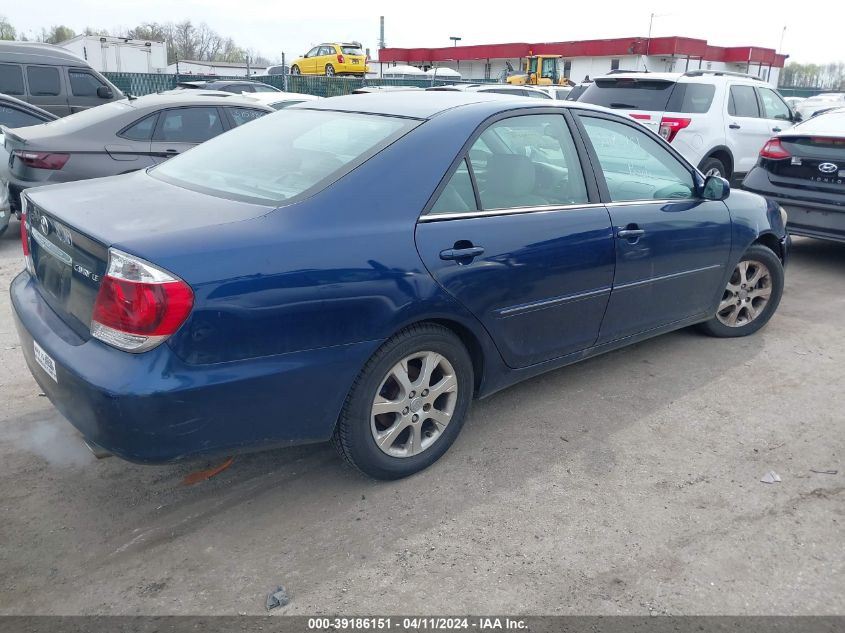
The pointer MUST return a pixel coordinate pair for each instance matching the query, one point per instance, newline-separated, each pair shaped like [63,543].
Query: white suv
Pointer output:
[717,119]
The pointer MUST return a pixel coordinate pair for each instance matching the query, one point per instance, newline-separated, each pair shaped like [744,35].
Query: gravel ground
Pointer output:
[627,484]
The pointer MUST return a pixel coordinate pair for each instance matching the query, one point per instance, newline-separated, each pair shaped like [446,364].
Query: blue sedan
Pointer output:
[360,268]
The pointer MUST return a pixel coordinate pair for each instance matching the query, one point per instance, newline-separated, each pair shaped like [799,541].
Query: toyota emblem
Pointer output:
[45,225]
[828,168]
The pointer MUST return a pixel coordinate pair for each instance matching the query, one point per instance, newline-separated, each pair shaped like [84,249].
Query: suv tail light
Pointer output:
[340,59]
[670,126]
[774,149]
[139,305]
[41,160]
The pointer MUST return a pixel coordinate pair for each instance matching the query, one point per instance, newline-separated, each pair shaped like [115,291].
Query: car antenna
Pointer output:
[130,96]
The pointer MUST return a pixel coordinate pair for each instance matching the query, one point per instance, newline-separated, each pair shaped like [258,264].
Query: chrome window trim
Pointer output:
[467,215]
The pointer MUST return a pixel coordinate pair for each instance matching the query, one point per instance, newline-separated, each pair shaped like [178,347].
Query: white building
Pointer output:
[592,58]
[119,54]
[223,69]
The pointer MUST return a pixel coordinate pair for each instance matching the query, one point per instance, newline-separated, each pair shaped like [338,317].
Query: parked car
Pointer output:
[236,86]
[578,90]
[503,89]
[276,70]
[820,103]
[120,137]
[332,59]
[381,89]
[717,120]
[253,292]
[52,78]
[14,113]
[557,92]
[793,102]
[803,169]
[279,100]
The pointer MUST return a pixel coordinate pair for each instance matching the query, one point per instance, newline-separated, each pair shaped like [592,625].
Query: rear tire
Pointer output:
[329,70]
[714,167]
[751,296]
[387,430]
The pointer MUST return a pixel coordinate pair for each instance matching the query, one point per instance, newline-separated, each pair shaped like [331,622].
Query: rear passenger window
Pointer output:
[245,115]
[142,130]
[691,98]
[527,161]
[190,125]
[458,195]
[83,84]
[43,81]
[11,79]
[743,102]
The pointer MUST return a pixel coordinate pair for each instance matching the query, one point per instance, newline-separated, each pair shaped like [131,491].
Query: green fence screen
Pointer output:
[141,84]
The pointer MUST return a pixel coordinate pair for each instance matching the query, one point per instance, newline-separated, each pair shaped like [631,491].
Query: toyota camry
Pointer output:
[361,268]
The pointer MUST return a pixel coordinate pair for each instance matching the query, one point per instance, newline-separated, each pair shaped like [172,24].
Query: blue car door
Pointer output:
[517,235]
[672,247]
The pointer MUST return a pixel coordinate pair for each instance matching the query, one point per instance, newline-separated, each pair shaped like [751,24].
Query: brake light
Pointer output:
[670,126]
[41,160]
[774,149]
[25,235]
[138,305]
[340,59]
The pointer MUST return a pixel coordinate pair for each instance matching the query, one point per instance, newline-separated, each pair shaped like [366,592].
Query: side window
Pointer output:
[238,88]
[43,81]
[691,98]
[262,88]
[83,84]
[13,117]
[774,106]
[141,130]
[458,195]
[189,125]
[11,79]
[313,52]
[326,50]
[634,165]
[743,102]
[527,161]
[245,115]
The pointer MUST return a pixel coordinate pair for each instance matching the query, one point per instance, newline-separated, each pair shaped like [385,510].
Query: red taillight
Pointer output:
[774,149]
[640,117]
[41,160]
[24,236]
[670,126]
[138,305]
[340,59]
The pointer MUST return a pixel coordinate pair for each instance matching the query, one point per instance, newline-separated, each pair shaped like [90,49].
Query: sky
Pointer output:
[271,28]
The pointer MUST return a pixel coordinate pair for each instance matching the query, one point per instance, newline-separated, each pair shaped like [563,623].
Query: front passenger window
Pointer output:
[635,166]
[774,106]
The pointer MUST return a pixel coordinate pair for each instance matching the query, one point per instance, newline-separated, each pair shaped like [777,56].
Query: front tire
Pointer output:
[751,296]
[294,70]
[408,404]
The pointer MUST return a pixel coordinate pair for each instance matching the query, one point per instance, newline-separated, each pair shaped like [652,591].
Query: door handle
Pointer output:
[627,234]
[461,253]
[734,126]
[775,129]
[171,152]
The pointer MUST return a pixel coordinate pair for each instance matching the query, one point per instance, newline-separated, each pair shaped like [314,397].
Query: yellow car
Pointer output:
[331,60]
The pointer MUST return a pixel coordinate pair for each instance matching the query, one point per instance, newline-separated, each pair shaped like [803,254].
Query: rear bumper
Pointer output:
[153,407]
[819,216]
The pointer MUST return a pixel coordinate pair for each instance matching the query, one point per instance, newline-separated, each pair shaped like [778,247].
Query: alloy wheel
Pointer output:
[747,294]
[329,70]
[414,404]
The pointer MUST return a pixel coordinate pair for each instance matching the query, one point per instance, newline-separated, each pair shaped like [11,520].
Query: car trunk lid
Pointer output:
[815,163]
[70,228]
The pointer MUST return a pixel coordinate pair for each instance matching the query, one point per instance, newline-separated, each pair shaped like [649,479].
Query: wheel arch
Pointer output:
[723,154]
[770,241]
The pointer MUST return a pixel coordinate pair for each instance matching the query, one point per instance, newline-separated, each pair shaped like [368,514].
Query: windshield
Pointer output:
[284,155]
[629,93]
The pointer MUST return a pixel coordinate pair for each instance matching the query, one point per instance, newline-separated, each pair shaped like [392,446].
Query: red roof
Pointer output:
[678,46]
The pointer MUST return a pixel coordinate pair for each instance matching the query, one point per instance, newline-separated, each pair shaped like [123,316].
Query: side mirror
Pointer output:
[715,188]
[796,116]
[104,92]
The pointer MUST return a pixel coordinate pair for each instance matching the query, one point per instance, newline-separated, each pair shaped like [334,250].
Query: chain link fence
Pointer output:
[141,84]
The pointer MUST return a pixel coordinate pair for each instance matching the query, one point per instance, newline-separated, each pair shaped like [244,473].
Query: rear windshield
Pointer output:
[91,116]
[284,155]
[351,50]
[629,93]
[691,98]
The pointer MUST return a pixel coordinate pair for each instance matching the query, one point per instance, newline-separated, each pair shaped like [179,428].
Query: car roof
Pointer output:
[273,97]
[642,75]
[10,100]
[37,53]
[191,97]
[429,103]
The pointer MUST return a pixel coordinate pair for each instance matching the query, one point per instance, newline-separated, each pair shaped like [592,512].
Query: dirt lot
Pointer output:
[627,484]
